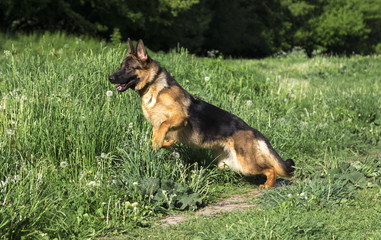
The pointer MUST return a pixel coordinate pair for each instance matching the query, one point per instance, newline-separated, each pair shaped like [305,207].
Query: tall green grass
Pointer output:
[77,162]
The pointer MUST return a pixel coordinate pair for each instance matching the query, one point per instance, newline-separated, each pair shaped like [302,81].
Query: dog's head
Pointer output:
[134,70]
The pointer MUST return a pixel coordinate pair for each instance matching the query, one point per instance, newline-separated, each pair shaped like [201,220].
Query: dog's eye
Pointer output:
[137,67]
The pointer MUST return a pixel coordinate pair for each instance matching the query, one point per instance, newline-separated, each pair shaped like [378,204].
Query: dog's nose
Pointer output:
[111,78]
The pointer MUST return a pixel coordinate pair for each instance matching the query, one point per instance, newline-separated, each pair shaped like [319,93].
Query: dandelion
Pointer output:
[92,184]
[249,103]
[10,132]
[180,165]
[135,183]
[109,93]
[176,154]
[207,79]
[63,164]
[127,204]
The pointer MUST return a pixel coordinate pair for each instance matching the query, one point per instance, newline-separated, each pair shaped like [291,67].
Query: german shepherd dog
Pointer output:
[179,117]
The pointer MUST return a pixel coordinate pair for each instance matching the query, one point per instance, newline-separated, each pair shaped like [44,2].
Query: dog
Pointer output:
[180,117]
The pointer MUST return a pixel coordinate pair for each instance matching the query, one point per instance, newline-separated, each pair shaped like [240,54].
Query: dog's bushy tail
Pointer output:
[284,168]
[290,166]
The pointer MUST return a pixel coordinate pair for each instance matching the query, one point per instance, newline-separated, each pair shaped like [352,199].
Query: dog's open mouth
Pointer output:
[124,86]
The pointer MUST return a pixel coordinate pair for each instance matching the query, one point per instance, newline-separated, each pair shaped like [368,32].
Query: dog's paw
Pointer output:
[263,187]
[169,143]
[157,142]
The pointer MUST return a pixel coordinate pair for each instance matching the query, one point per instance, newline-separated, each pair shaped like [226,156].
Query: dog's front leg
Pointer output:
[159,134]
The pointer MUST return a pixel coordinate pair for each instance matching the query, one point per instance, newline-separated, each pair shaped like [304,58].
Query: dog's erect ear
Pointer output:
[131,48]
[141,51]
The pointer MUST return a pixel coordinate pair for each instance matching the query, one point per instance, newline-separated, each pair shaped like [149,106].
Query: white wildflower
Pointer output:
[63,164]
[10,132]
[180,165]
[176,154]
[92,184]
[131,125]
[249,103]
[7,53]
[135,183]
[109,93]
[207,79]
[135,204]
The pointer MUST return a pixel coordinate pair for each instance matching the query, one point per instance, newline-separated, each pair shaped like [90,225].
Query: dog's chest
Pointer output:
[153,111]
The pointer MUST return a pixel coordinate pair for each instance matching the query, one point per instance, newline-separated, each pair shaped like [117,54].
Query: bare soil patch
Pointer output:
[233,203]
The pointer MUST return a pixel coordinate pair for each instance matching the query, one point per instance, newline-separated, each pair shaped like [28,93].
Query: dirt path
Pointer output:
[236,202]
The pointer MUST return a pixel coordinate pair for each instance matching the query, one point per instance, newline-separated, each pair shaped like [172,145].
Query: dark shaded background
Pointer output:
[239,28]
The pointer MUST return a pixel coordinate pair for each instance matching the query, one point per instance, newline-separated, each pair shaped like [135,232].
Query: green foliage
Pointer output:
[332,188]
[334,26]
[263,28]
[116,37]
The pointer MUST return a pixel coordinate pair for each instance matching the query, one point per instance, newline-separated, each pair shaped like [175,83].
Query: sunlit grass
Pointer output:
[75,155]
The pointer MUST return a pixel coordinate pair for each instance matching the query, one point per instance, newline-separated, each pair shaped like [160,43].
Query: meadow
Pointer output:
[76,160]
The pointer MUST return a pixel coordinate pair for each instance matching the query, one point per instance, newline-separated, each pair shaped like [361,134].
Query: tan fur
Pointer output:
[163,107]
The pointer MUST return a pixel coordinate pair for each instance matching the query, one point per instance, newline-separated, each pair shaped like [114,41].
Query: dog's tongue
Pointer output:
[121,87]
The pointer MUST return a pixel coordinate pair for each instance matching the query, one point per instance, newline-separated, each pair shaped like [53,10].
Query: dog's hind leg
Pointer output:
[271,178]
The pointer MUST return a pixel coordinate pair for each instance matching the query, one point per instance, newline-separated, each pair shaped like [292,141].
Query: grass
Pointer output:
[77,163]
[359,221]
